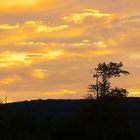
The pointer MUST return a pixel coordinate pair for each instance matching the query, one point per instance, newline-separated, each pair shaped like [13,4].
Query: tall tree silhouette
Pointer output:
[103,73]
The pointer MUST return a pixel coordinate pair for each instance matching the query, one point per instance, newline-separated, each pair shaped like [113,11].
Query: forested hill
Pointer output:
[104,119]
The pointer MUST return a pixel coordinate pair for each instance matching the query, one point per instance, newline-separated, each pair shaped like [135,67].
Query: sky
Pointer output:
[50,49]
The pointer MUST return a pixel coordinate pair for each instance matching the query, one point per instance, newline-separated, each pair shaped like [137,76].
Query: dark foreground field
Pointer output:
[106,119]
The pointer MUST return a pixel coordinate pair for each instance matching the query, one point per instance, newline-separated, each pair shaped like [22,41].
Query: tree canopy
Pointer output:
[102,74]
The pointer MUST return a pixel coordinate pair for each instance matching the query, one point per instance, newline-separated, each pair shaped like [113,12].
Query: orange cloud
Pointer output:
[10,80]
[39,73]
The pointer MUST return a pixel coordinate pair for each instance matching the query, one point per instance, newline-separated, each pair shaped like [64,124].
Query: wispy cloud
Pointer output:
[87,14]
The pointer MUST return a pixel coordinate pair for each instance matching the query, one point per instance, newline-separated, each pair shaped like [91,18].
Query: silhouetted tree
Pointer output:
[102,74]
[118,92]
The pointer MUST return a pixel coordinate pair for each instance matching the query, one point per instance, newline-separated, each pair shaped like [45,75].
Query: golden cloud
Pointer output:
[8,27]
[27,5]
[10,80]
[80,17]
[84,43]
[39,26]
[15,59]
[100,44]
[87,54]
[39,73]
[9,59]
[37,29]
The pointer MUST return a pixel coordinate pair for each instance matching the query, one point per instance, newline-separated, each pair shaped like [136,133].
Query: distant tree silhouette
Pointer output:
[102,74]
[89,96]
[118,92]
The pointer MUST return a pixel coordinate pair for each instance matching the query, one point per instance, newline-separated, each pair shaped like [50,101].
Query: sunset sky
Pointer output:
[48,48]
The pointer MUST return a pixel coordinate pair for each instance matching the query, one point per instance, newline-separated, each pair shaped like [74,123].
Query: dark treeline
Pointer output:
[104,119]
